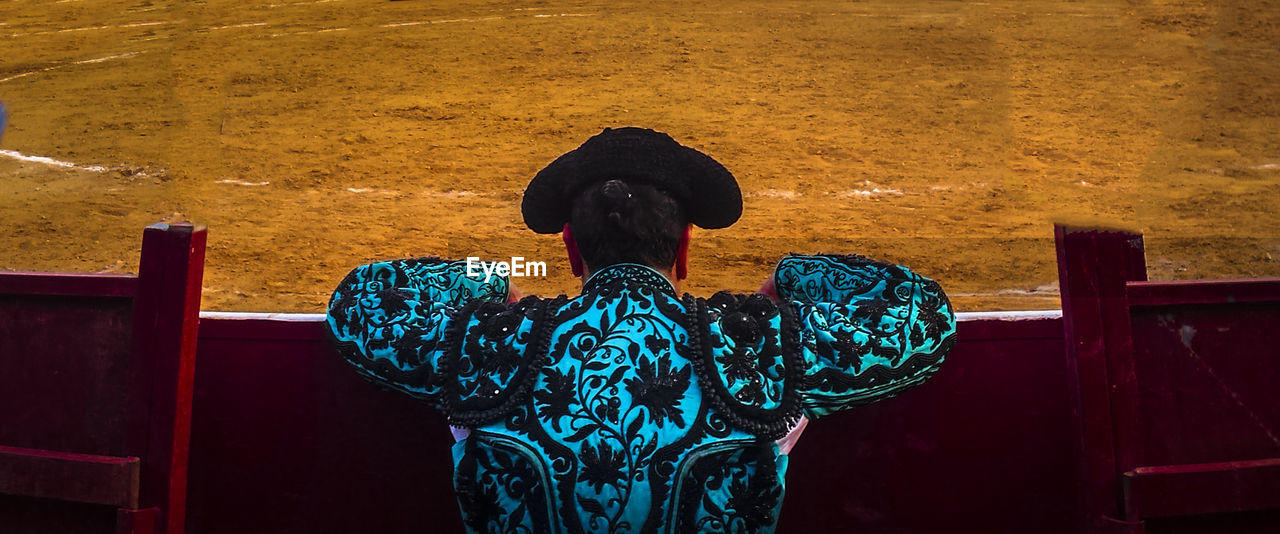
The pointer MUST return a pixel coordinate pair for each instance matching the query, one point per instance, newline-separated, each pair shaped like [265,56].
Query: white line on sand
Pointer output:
[64,65]
[104,58]
[242,182]
[438,21]
[107,27]
[143,24]
[775,193]
[326,30]
[291,4]
[868,193]
[245,25]
[14,154]
[362,190]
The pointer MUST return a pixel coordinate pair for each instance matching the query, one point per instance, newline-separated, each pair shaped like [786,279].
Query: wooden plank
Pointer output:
[166,319]
[1093,266]
[63,373]
[1226,291]
[86,478]
[1120,260]
[144,521]
[69,284]
[1194,489]
[1087,388]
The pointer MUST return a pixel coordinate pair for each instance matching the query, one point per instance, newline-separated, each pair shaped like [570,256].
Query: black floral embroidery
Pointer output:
[755,504]
[751,394]
[870,312]
[554,400]
[846,351]
[935,322]
[491,475]
[481,504]
[742,328]
[739,364]
[602,466]
[660,389]
[608,409]
[656,344]
[744,479]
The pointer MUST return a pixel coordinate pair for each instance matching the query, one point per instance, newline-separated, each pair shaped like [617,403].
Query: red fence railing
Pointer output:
[1145,407]
[96,377]
[1173,393]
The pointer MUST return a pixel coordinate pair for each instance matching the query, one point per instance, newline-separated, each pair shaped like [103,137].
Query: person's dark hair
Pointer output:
[616,222]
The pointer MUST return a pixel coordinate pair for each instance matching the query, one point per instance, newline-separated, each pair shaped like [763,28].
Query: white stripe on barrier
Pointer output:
[261,316]
[1024,315]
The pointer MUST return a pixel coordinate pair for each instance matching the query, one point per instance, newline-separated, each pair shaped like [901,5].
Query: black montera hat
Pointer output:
[703,187]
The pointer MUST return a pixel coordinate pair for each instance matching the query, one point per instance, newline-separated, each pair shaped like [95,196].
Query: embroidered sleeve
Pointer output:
[393,320]
[868,330]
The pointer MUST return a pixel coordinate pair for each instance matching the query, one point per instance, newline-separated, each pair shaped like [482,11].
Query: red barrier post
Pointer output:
[166,318]
[1093,267]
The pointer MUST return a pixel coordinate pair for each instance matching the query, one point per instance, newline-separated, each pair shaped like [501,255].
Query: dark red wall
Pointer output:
[982,447]
[1208,382]
[286,438]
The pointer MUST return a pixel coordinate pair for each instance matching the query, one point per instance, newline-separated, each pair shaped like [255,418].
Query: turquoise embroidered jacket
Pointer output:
[630,408]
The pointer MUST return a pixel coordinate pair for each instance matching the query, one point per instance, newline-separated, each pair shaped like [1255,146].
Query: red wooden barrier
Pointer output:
[1148,407]
[1173,393]
[95,392]
[287,439]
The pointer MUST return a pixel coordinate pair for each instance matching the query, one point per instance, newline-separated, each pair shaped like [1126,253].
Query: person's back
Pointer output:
[630,408]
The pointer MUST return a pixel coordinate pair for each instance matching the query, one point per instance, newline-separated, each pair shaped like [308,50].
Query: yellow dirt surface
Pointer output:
[311,136]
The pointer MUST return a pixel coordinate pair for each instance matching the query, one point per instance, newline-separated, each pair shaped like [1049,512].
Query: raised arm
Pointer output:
[868,330]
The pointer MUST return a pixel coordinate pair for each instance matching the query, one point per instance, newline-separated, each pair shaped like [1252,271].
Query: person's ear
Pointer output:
[682,254]
[571,246]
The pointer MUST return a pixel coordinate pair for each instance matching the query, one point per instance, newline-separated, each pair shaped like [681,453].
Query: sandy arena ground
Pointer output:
[311,136]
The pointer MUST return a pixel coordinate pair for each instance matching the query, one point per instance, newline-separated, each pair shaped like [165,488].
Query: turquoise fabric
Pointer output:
[629,408]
